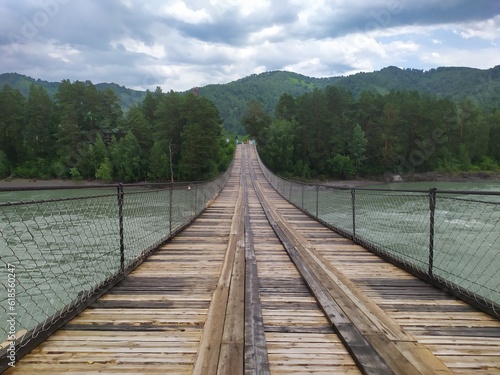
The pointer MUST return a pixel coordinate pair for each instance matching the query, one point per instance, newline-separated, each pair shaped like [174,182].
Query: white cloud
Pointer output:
[266,34]
[137,46]
[483,59]
[489,29]
[181,11]
[180,44]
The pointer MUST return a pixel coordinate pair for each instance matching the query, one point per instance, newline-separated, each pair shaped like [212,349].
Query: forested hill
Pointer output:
[481,86]
[232,98]
[128,97]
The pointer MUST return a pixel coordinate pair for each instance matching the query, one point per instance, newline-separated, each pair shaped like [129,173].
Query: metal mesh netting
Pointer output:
[451,237]
[334,206]
[61,250]
[398,223]
[57,253]
[467,241]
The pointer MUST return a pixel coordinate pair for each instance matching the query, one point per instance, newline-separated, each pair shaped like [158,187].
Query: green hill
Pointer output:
[21,82]
[232,98]
[482,86]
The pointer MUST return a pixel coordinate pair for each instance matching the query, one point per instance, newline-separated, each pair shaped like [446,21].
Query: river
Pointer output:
[64,242]
[396,218]
[62,247]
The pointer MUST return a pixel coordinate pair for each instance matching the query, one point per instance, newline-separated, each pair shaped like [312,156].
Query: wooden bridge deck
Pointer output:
[254,286]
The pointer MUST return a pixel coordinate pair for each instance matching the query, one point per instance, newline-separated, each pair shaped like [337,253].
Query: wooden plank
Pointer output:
[155,320]
[281,288]
[363,353]
[208,354]
[233,340]
[367,317]
[256,358]
[382,270]
[152,321]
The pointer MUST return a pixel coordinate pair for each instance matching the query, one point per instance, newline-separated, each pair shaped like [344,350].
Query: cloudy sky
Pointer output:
[180,44]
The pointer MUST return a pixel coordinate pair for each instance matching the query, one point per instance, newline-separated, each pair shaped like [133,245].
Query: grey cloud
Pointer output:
[233,28]
[92,27]
[92,24]
[367,17]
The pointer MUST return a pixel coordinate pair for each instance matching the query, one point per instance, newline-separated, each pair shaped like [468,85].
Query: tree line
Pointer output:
[331,133]
[82,133]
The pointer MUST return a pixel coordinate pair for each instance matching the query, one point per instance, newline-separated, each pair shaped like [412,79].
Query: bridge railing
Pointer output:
[449,238]
[57,255]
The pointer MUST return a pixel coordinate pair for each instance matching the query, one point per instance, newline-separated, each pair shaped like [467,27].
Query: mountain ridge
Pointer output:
[480,85]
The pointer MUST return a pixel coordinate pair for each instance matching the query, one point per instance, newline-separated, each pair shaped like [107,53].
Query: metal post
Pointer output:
[302,203]
[353,200]
[195,198]
[317,201]
[432,209]
[170,210]
[120,221]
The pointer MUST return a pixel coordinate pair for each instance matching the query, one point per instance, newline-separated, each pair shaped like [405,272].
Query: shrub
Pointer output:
[341,166]
[75,173]
[4,165]
[105,171]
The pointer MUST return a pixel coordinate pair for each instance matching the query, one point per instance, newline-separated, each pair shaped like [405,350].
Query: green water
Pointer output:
[31,195]
[62,248]
[466,230]
[466,186]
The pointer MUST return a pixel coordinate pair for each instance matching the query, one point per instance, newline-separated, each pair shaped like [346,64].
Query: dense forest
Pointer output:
[481,86]
[331,133]
[82,133]
[394,120]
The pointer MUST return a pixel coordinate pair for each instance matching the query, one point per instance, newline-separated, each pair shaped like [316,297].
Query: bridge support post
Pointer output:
[120,223]
[171,193]
[302,198]
[432,210]
[317,201]
[195,198]
[353,202]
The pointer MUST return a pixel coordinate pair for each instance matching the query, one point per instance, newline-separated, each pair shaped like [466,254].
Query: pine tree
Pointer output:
[159,166]
[357,147]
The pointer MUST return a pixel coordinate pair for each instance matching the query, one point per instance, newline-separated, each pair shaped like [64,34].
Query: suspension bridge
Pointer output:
[253,285]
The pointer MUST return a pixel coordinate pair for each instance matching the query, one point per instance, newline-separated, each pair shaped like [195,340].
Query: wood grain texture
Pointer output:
[206,303]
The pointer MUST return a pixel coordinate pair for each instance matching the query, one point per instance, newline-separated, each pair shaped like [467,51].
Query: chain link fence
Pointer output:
[451,238]
[57,254]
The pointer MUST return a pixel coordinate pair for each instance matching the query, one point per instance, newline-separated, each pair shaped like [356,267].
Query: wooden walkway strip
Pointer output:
[152,322]
[363,353]
[399,350]
[223,297]
[223,310]
[406,300]
[300,339]
[256,358]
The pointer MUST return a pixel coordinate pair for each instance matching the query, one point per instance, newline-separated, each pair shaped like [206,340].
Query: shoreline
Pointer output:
[481,176]
[24,183]
[464,177]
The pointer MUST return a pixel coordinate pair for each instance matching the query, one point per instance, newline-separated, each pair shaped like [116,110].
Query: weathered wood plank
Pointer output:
[208,354]
[155,320]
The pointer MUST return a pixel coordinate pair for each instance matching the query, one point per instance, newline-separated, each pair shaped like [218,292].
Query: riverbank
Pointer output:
[480,176]
[372,180]
[453,177]
[28,183]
